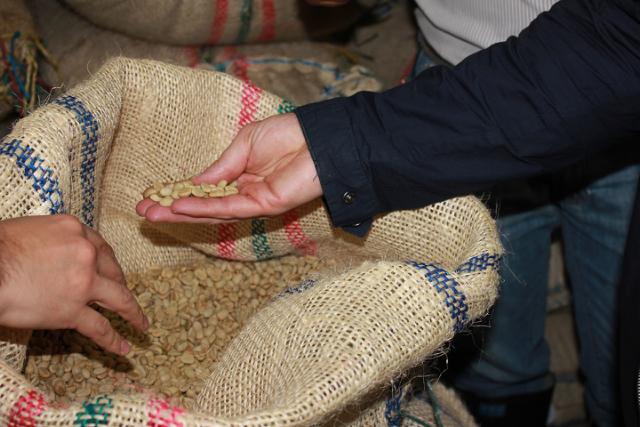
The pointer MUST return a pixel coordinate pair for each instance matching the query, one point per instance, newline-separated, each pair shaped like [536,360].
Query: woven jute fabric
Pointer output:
[13,346]
[17,55]
[318,347]
[300,72]
[213,22]
[452,411]
[81,48]
[409,406]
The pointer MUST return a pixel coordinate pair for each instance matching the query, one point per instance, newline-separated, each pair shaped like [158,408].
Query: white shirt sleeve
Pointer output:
[457,28]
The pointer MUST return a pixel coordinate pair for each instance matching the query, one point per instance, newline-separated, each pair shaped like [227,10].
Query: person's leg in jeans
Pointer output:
[594,227]
[514,357]
[422,62]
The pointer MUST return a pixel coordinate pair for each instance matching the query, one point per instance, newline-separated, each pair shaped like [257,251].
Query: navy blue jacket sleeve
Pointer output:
[568,85]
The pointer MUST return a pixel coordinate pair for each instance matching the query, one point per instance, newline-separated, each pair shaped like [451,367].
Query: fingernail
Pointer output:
[176,209]
[124,347]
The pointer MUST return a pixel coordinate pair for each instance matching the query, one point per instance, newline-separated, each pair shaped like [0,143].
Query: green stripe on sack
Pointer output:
[246,15]
[286,107]
[94,412]
[259,239]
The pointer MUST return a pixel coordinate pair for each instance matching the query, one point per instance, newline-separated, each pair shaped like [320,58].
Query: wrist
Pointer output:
[344,179]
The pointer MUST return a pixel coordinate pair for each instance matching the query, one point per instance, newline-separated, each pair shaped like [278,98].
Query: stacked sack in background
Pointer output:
[317,351]
[200,22]
[19,49]
[301,71]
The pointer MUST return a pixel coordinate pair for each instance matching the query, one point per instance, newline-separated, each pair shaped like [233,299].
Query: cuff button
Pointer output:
[348,197]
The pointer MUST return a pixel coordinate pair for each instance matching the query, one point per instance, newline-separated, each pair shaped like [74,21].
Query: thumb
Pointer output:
[233,161]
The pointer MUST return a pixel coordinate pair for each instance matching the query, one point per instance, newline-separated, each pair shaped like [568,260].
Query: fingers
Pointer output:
[97,328]
[144,205]
[106,263]
[119,299]
[110,289]
[158,213]
[239,206]
[233,161]
[153,212]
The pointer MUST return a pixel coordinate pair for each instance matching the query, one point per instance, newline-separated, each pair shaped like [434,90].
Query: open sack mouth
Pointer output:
[314,344]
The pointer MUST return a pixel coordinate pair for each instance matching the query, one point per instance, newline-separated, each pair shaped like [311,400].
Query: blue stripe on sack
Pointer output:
[479,263]
[337,74]
[45,182]
[328,91]
[392,408]
[246,14]
[259,239]
[89,127]
[442,281]
[302,286]
[16,64]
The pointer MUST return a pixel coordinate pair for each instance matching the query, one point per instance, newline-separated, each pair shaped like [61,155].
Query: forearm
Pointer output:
[567,86]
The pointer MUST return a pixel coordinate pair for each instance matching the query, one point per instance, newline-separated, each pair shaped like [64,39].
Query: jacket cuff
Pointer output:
[345,180]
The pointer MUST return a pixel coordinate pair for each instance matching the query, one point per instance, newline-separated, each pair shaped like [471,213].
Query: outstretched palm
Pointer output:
[274,170]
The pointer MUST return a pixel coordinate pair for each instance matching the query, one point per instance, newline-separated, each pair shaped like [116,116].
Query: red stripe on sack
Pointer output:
[240,68]
[162,414]
[226,240]
[408,69]
[193,56]
[219,20]
[268,21]
[251,95]
[24,412]
[229,52]
[249,107]
[295,235]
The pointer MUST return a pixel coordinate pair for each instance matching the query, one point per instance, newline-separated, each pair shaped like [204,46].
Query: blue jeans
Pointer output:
[514,357]
[423,61]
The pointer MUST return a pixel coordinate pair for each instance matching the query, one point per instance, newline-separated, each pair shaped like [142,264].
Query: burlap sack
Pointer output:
[213,22]
[19,46]
[438,402]
[423,404]
[81,48]
[300,80]
[300,72]
[315,349]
